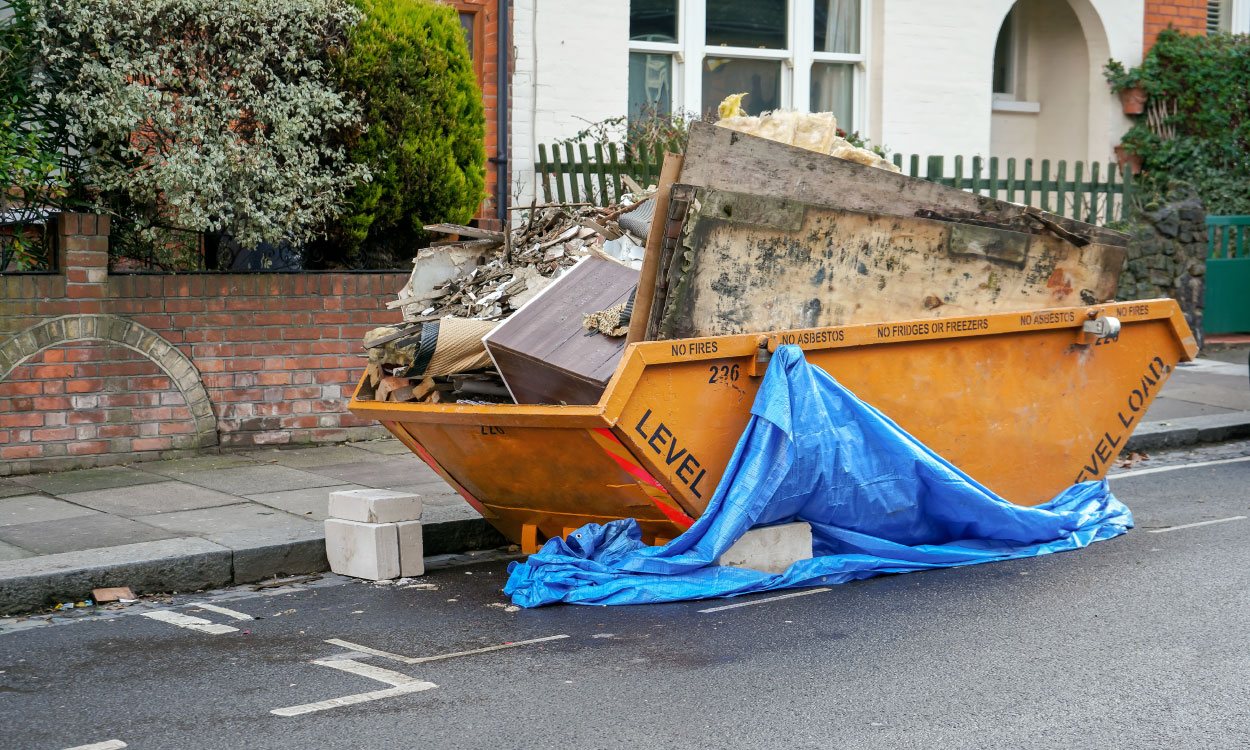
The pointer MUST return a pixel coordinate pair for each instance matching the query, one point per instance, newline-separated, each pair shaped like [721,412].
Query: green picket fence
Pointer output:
[573,175]
[1093,193]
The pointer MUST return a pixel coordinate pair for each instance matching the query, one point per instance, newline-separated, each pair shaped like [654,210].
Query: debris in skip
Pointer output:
[601,363]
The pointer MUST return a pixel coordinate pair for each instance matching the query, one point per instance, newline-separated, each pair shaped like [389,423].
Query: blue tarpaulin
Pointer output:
[877,499]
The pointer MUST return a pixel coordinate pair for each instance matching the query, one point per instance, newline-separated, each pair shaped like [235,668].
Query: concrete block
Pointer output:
[411,548]
[771,549]
[375,506]
[362,550]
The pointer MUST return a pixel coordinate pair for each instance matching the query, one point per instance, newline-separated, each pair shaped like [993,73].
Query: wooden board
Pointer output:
[748,264]
[542,351]
[727,160]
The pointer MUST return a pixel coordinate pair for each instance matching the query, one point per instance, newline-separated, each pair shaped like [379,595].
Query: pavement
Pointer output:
[1134,642]
[233,518]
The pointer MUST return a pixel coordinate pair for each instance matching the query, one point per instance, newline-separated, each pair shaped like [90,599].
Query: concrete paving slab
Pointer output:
[1170,408]
[209,522]
[448,512]
[306,503]
[36,508]
[240,480]
[1226,397]
[387,474]
[307,458]
[10,552]
[86,480]
[146,499]
[80,533]
[431,491]
[387,447]
[9,488]
[178,564]
[178,467]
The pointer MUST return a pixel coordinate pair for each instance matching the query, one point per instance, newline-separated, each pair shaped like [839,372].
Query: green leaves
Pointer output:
[205,115]
[408,63]
[1201,88]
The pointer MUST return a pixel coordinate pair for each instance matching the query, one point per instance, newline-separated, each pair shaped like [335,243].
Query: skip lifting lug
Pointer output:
[1096,328]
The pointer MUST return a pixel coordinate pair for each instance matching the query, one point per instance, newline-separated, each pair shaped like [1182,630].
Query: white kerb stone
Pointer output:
[411,549]
[363,550]
[771,549]
[375,506]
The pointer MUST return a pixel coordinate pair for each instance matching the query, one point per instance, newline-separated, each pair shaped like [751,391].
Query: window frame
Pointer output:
[691,49]
[479,41]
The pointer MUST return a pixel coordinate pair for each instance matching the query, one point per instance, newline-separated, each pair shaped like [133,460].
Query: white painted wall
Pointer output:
[570,68]
[936,62]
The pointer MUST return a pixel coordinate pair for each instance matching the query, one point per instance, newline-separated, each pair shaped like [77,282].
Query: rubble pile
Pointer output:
[548,240]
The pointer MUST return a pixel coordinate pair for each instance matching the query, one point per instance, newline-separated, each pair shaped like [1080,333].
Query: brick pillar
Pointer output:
[84,243]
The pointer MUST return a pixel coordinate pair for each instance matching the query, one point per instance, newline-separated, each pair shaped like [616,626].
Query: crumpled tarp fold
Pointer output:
[878,500]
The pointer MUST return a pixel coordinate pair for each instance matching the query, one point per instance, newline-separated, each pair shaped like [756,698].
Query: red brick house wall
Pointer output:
[97,368]
[486,63]
[1189,16]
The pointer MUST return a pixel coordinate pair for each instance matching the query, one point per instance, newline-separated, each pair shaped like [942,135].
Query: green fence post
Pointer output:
[616,173]
[572,167]
[544,172]
[1061,188]
[1045,185]
[600,170]
[959,172]
[914,165]
[1094,190]
[1028,182]
[994,177]
[558,170]
[934,170]
[1078,190]
[585,170]
[1011,179]
[976,175]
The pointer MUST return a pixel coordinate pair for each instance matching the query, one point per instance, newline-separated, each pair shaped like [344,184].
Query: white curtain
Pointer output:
[841,25]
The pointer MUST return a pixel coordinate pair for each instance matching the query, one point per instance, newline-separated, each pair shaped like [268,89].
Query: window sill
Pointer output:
[1011,105]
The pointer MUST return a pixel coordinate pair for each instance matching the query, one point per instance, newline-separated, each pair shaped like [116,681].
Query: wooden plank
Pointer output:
[736,271]
[643,298]
[724,159]
[463,231]
[1011,180]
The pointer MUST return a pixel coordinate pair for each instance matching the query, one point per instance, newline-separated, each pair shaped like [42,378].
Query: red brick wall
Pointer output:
[1189,16]
[277,355]
[486,57]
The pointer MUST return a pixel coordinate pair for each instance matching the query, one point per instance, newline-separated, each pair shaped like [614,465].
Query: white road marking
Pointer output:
[1192,525]
[189,622]
[1195,465]
[106,745]
[401,684]
[765,601]
[423,659]
[223,611]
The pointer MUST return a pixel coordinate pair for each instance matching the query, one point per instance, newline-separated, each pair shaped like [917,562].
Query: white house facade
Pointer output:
[1006,78]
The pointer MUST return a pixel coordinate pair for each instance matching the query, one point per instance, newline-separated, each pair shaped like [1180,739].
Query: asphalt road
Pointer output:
[1137,642]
